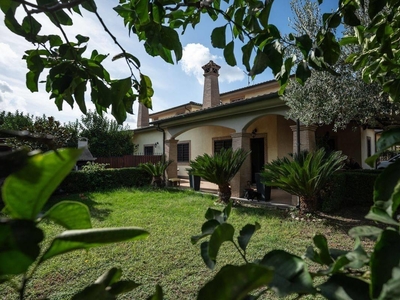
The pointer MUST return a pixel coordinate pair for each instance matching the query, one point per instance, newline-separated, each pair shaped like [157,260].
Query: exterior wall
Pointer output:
[180,110]
[365,134]
[201,141]
[149,138]
[268,125]
[284,136]
[347,140]
[250,92]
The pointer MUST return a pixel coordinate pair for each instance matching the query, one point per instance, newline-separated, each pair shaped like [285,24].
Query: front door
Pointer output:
[257,156]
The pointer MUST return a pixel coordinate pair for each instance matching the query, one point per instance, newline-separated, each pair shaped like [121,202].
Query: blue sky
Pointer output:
[173,84]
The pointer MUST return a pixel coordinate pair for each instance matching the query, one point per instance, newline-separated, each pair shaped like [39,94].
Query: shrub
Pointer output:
[349,189]
[78,181]
[305,175]
[92,166]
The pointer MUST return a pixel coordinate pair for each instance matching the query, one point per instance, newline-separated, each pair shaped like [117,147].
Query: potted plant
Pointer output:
[157,170]
[219,169]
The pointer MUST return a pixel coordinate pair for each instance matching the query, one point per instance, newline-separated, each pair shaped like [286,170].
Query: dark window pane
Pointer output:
[148,150]
[183,152]
[219,144]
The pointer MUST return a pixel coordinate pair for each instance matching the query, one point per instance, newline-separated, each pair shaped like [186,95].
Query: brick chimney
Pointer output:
[211,87]
[143,116]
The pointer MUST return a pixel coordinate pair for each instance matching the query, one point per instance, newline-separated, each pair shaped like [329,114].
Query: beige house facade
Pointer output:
[252,118]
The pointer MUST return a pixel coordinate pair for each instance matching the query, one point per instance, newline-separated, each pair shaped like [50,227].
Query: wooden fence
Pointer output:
[127,161]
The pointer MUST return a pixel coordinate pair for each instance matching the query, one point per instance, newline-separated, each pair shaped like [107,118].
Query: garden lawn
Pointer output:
[167,257]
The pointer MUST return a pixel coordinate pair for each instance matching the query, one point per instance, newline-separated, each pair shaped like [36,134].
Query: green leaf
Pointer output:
[365,231]
[348,40]
[229,54]
[340,287]
[332,20]
[322,244]
[223,233]
[31,26]
[384,258]
[218,39]
[89,238]
[290,273]
[26,191]
[158,295]
[128,56]
[206,230]
[204,255]
[303,72]
[170,40]
[146,90]
[388,139]
[57,17]
[119,89]
[374,7]
[215,214]
[304,43]
[142,11]
[79,94]
[89,5]
[82,39]
[380,215]
[391,289]
[261,62]
[235,282]
[264,15]
[70,215]
[19,240]
[247,50]
[107,286]
[123,286]
[110,277]
[387,189]
[246,233]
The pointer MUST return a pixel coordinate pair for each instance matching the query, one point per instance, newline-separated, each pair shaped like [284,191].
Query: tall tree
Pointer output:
[15,121]
[55,134]
[106,137]
[328,98]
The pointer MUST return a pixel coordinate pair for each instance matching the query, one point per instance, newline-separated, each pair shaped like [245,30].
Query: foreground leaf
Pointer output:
[384,259]
[290,273]
[26,191]
[107,287]
[19,240]
[70,215]
[89,238]
[236,282]
[339,287]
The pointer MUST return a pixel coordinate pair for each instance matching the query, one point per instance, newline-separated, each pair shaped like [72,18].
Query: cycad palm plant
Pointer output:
[219,169]
[304,175]
[157,170]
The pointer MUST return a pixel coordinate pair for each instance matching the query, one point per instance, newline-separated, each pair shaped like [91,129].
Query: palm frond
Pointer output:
[305,174]
[221,167]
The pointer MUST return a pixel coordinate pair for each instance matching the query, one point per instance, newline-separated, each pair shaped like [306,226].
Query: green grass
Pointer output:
[167,257]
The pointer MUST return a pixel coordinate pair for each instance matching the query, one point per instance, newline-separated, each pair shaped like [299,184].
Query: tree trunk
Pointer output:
[157,181]
[224,193]
[308,205]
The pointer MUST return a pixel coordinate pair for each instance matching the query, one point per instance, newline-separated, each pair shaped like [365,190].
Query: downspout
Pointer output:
[163,141]
[298,136]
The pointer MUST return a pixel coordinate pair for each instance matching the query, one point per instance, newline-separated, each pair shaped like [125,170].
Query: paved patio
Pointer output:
[279,198]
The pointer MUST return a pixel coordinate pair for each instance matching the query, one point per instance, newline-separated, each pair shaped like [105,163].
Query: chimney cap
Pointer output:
[211,67]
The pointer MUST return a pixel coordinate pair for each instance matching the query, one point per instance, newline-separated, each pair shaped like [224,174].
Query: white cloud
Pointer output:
[231,74]
[4,87]
[193,58]
[196,55]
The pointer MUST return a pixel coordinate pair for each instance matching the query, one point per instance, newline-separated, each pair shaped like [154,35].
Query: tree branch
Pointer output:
[59,6]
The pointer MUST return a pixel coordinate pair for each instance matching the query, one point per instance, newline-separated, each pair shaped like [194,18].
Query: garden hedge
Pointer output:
[79,181]
[349,189]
